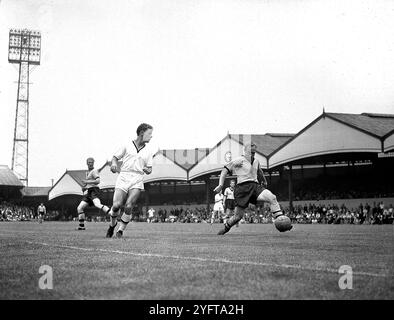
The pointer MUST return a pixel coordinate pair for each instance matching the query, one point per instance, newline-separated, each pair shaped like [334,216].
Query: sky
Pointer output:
[194,69]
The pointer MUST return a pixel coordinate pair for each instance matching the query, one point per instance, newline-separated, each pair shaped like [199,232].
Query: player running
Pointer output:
[248,189]
[136,162]
[218,208]
[91,193]
[41,211]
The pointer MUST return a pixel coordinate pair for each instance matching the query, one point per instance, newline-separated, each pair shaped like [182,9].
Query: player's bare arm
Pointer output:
[91,181]
[222,178]
[114,165]
[147,170]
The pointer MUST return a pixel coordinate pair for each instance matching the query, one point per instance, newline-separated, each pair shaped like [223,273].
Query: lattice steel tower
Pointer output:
[24,49]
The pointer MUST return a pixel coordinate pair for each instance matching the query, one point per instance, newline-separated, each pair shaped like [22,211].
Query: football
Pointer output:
[283,223]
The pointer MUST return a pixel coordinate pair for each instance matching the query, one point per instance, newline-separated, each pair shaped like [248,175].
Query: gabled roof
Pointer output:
[266,143]
[77,175]
[8,177]
[376,124]
[184,154]
[35,191]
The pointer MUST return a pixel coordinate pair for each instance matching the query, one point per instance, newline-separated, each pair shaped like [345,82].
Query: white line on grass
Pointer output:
[250,263]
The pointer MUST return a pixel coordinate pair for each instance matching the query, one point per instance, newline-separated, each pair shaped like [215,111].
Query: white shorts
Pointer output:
[129,180]
[218,207]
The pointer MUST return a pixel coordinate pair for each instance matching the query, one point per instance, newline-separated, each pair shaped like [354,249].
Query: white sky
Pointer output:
[193,69]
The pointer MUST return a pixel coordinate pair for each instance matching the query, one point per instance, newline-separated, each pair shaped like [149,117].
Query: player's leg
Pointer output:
[132,198]
[81,214]
[119,198]
[238,214]
[227,215]
[221,214]
[97,203]
[267,196]
[213,216]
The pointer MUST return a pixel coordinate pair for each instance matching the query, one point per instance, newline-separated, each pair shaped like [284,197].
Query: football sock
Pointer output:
[113,216]
[124,220]
[277,213]
[105,209]
[81,218]
[232,221]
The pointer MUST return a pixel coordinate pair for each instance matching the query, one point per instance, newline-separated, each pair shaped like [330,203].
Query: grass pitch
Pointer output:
[189,261]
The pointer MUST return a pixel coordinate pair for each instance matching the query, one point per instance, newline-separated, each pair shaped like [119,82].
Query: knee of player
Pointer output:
[129,206]
[116,206]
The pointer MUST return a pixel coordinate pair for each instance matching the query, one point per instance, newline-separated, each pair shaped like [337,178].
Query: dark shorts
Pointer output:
[230,204]
[247,192]
[92,194]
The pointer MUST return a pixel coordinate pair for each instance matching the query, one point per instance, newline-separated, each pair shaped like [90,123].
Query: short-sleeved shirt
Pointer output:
[133,159]
[243,169]
[41,209]
[92,175]
[229,194]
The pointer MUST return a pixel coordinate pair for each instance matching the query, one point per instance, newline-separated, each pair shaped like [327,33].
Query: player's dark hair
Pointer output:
[143,127]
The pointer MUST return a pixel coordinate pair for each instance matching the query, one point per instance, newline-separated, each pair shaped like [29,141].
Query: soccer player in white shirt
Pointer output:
[228,200]
[136,162]
[217,207]
[250,176]
[151,214]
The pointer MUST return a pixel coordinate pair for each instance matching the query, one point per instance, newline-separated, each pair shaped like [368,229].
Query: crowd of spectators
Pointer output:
[377,213]
[13,212]
[16,212]
[312,213]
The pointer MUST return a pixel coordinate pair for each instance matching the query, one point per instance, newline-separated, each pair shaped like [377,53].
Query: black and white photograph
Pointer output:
[212,152]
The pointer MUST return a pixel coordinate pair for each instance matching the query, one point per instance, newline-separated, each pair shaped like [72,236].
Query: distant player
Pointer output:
[218,208]
[229,202]
[91,193]
[151,214]
[136,162]
[248,189]
[41,212]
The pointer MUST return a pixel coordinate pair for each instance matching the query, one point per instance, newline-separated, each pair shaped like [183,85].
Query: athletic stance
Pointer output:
[250,176]
[136,162]
[91,193]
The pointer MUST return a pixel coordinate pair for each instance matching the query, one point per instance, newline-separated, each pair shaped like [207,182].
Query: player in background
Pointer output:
[151,214]
[218,208]
[91,193]
[229,202]
[136,162]
[250,188]
[41,212]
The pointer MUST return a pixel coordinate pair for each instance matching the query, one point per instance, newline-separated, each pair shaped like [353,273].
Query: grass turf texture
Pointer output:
[189,261]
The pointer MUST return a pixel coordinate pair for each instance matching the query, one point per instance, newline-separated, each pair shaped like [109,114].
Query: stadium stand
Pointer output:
[336,159]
